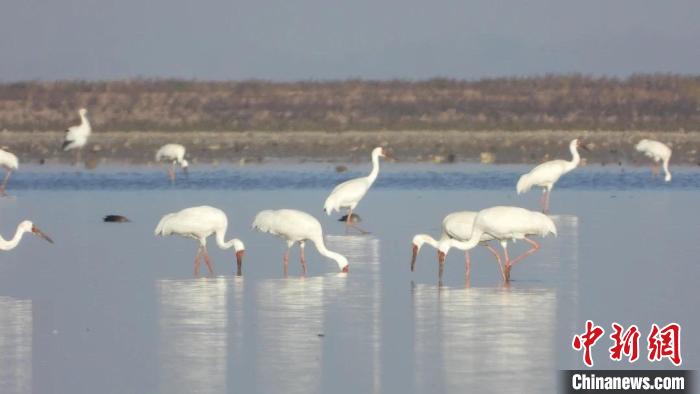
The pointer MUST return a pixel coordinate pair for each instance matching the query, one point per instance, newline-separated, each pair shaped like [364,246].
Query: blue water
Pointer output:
[110,308]
[394,177]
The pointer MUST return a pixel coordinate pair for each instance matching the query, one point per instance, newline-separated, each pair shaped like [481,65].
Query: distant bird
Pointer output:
[456,225]
[349,193]
[76,136]
[296,226]
[353,219]
[504,224]
[174,153]
[10,163]
[116,219]
[24,227]
[199,223]
[659,152]
[548,173]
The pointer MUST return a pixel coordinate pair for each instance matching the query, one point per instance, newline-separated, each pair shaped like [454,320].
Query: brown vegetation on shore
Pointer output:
[569,102]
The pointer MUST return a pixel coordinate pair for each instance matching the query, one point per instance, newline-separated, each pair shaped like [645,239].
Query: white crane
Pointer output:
[659,152]
[456,225]
[199,223]
[76,136]
[174,153]
[24,227]
[548,173]
[349,193]
[10,163]
[296,226]
[503,224]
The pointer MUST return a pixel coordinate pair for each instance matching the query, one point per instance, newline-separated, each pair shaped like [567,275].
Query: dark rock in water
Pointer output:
[341,168]
[354,218]
[116,219]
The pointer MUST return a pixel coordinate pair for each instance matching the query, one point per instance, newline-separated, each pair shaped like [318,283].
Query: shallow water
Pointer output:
[110,308]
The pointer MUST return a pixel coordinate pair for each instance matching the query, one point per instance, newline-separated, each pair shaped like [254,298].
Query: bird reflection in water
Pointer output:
[192,321]
[16,326]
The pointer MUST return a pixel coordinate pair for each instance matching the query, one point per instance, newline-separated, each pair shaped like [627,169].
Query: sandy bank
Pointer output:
[409,146]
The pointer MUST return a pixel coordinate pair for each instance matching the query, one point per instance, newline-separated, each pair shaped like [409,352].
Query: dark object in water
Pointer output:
[354,218]
[341,168]
[116,219]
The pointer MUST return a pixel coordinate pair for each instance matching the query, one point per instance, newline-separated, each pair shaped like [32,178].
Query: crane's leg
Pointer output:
[467,263]
[511,263]
[542,199]
[506,268]
[302,257]
[655,170]
[171,172]
[208,261]
[197,261]
[77,156]
[498,259]
[286,258]
[4,182]
[546,200]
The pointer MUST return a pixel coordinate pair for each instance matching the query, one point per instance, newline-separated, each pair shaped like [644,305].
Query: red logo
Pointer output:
[661,342]
[665,343]
[586,341]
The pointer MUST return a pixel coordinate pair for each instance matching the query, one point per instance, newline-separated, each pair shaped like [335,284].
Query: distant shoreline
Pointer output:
[502,147]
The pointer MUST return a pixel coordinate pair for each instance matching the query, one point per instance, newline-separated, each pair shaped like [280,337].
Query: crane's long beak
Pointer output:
[39,233]
[584,147]
[441,256]
[239,261]
[413,257]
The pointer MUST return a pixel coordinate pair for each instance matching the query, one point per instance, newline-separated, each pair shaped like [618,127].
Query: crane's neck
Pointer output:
[375,169]
[575,157]
[337,257]
[11,244]
[227,245]
[421,239]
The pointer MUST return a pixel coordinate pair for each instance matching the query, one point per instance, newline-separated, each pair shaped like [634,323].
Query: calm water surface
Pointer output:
[110,308]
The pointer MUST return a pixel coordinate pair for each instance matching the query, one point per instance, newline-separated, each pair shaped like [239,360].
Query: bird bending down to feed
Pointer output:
[76,136]
[548,173]
[349,193]
[659,152]
[24,227]
[174,153]
[296,226]
[456,225]
[199,223]
[10,163]
[504,224]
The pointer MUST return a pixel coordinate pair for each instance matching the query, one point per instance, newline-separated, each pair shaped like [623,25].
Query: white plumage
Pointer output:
[657,151]
[24,227]
[199,223]
[504,223]
[174,153]
[10,162]
[76,136]
[349,193]
[296,226]
[548,173]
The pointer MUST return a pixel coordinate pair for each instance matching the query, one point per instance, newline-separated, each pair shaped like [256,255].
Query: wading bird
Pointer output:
[199,223]
[504,224]
[296,226]
[456,225]
[659,152]
[349,193]
[174,153]
[10,163]
[548,173]
[24,227]
[76,136]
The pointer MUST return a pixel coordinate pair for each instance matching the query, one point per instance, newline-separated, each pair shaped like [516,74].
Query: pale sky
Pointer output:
[325,39]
